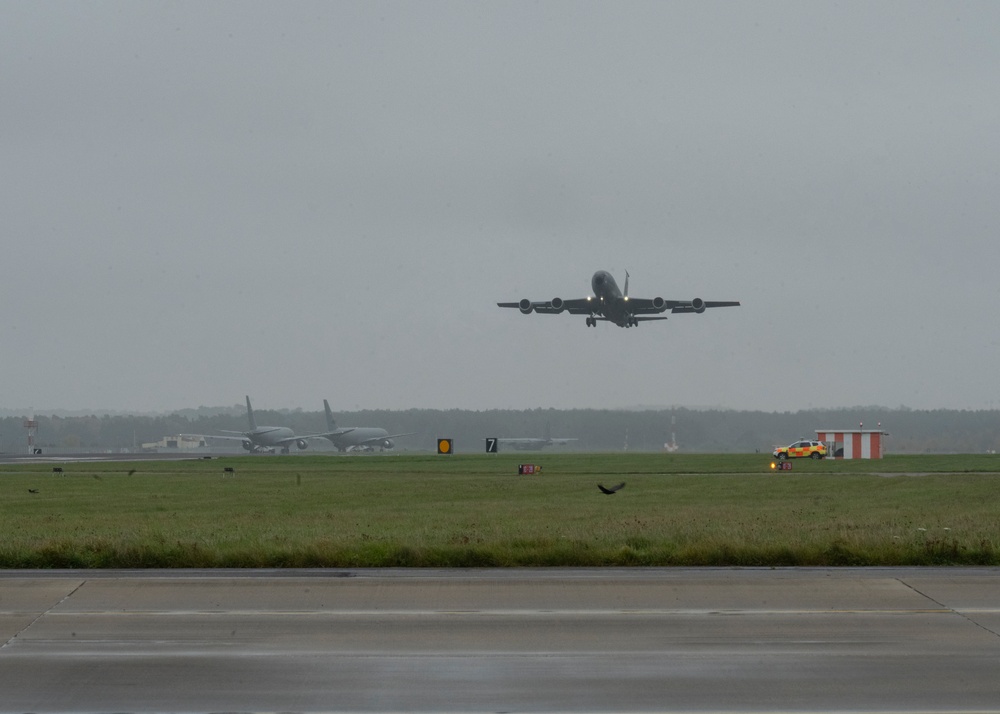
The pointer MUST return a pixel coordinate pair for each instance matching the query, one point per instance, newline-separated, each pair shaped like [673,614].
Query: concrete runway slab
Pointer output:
[502,640]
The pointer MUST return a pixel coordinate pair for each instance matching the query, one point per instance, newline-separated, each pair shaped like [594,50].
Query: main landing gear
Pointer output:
[591,321]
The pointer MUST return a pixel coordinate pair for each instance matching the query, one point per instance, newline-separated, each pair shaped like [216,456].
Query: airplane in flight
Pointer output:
[533,443]
[610,304]
[265,439]
[357,437]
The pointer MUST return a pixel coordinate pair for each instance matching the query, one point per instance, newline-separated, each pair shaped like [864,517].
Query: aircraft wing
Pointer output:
[328,434]
[544,307]
[635,306]
[289,441]
[678,306]
[581,306]
[377,439]
[532,439]
[524,440]
[218,436]
[645,306]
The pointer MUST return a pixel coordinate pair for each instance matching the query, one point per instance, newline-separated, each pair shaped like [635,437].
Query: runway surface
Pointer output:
[57,459]
[899,640]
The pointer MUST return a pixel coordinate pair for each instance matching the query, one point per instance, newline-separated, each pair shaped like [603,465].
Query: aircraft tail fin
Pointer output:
[253,422]
[331,423]
[626,283]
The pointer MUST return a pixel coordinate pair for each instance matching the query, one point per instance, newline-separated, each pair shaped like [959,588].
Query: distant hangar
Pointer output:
[853,443]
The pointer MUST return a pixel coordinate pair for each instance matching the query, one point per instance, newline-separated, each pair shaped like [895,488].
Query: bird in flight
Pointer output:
[612,490]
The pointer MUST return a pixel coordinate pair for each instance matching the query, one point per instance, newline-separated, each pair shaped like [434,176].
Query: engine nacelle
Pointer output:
[525,306]
[301,443]
[658,303]
[557,304]
[387,444]
[698,305]
[247,445]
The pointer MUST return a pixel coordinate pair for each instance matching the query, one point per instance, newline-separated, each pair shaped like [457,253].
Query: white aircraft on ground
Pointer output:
[525,443]
[264,439]
[357,438]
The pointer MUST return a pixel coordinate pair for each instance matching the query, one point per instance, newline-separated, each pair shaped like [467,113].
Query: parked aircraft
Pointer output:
[358,437]
[533,443]
[609,303]
[265,439]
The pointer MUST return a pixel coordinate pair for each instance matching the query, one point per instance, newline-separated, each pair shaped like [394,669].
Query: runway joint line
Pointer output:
[950,609]
[42,614]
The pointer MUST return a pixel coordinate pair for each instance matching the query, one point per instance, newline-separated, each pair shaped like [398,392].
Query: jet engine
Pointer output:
[698,305]
[387,444]
[301,443]
[525,306]
[247,445]
[557,304]
[658,303]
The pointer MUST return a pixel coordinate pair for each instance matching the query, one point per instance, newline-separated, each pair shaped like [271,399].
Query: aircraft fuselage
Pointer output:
[528,445]
[610,302]
[362,436]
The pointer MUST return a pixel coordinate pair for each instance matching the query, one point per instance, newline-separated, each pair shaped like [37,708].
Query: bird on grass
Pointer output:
[32,490]
[612,490]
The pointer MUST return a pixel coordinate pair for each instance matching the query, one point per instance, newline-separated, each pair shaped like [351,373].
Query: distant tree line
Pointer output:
[715,431]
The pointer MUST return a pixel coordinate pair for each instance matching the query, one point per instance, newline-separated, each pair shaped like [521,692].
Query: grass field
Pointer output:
[359,511]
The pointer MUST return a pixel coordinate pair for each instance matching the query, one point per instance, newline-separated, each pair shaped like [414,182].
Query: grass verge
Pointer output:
[475,511]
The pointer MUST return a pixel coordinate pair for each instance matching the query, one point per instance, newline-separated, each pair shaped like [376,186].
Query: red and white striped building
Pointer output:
[853,443]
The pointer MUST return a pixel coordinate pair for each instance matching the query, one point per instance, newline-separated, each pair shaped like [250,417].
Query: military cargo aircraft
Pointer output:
[529,443]
[263,439]
[357,438]
[609,303]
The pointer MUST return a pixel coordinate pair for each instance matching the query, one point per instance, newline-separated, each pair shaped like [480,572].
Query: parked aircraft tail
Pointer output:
[253,422]
[331,423]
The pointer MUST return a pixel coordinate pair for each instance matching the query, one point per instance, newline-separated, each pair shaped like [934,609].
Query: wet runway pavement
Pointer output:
[546,640]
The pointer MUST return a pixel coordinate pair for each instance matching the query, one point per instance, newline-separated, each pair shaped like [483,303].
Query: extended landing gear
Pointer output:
[591,321]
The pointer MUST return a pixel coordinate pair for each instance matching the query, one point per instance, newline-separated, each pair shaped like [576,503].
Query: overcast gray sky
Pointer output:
[299,200]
